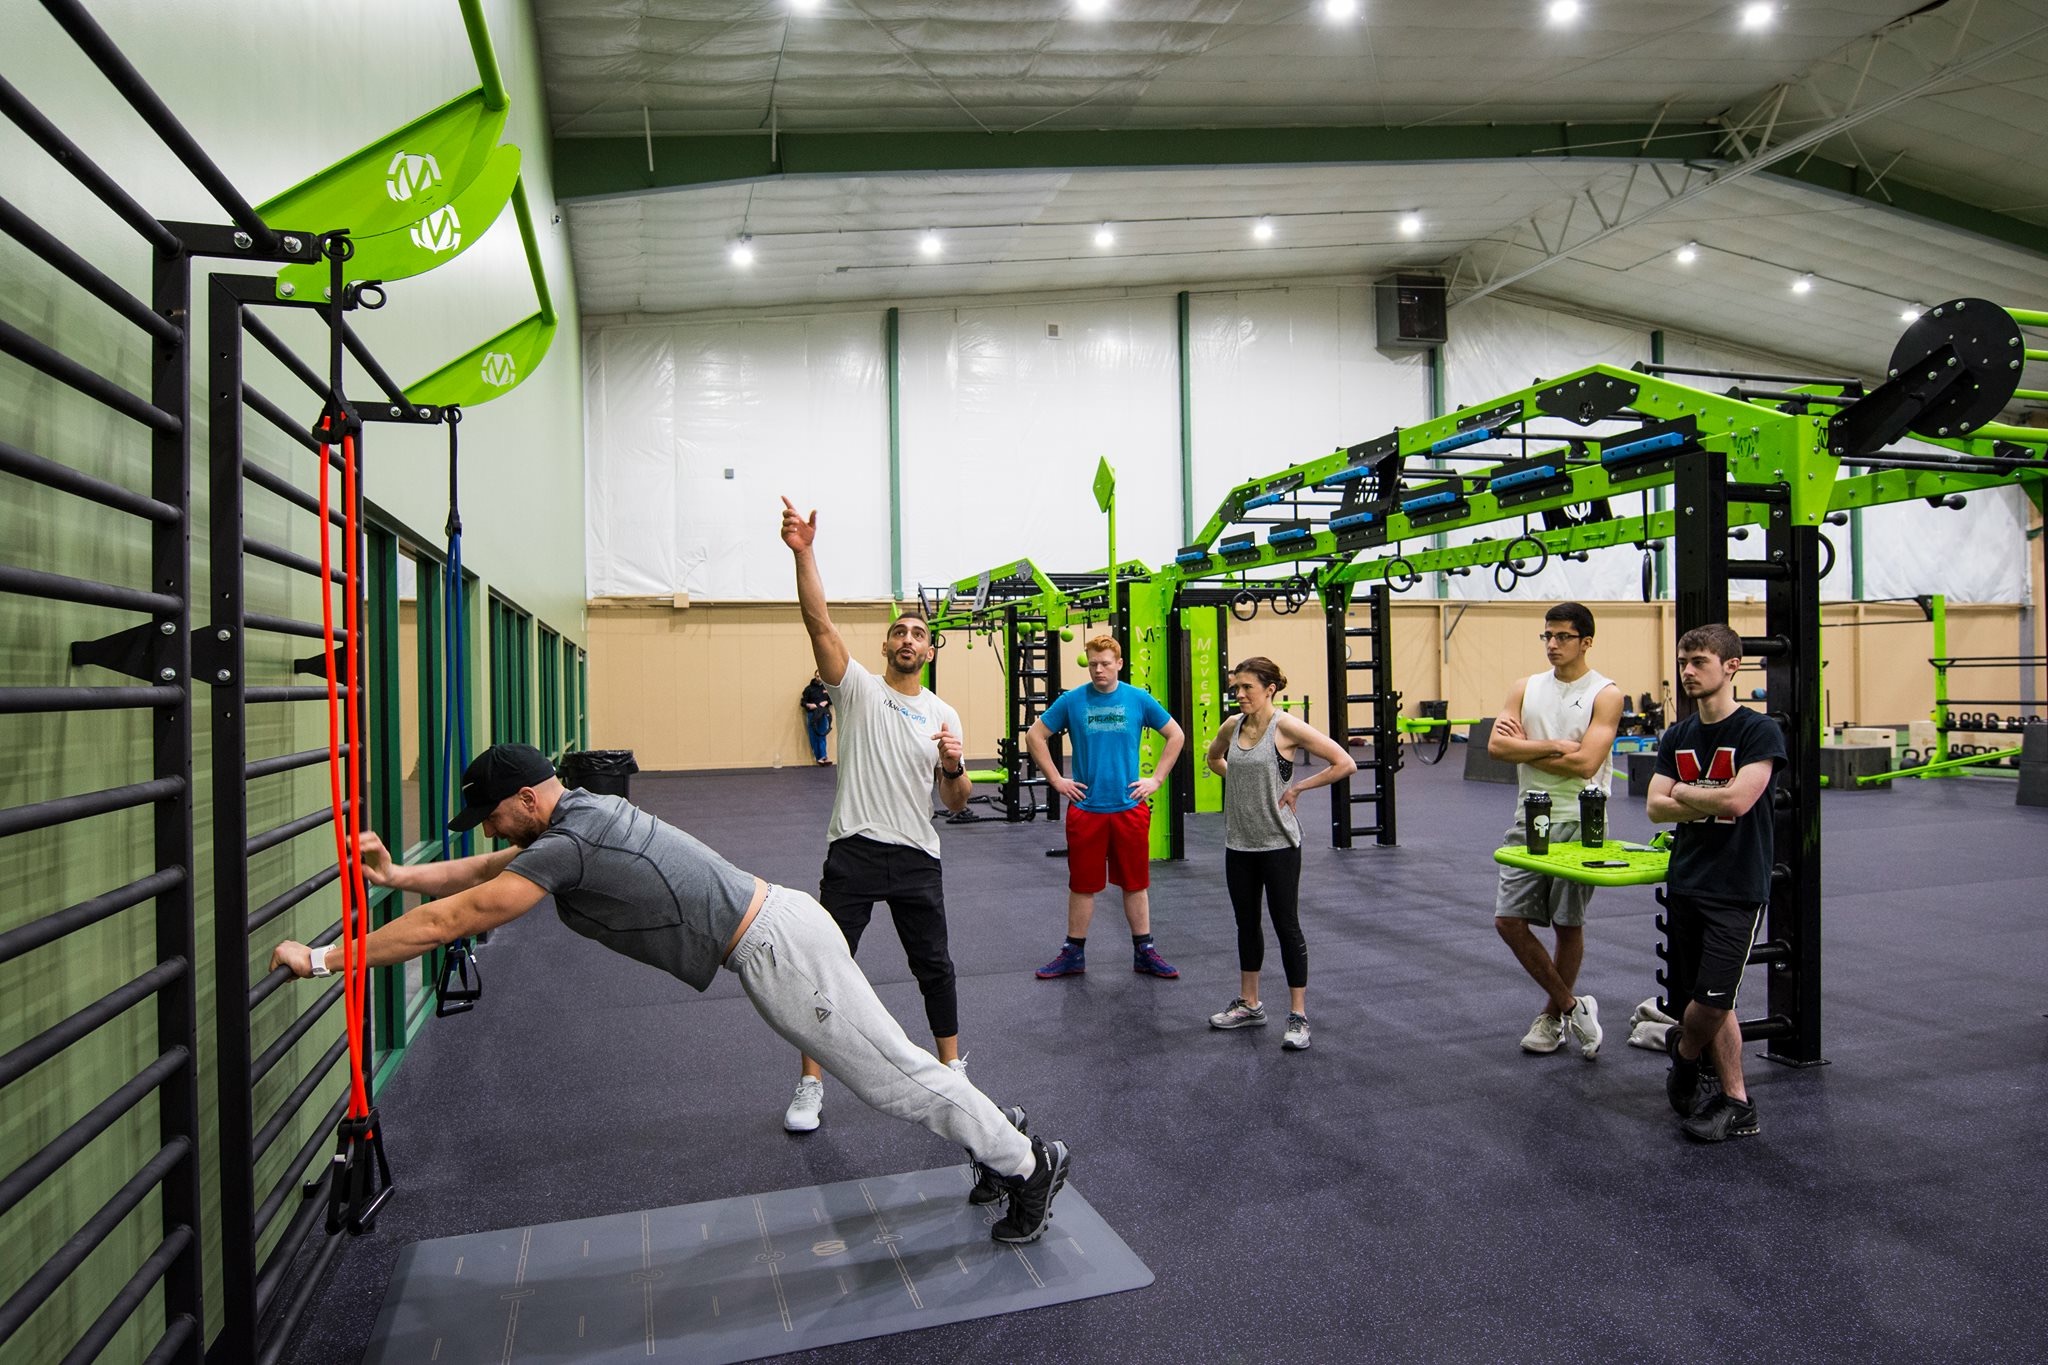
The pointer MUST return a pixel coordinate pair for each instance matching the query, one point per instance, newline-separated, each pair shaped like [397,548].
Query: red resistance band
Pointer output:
[345,730]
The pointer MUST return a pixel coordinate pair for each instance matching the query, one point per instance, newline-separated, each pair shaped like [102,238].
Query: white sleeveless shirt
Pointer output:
[1561,710]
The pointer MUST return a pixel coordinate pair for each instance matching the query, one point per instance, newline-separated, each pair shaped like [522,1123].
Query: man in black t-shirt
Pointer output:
[1714,773]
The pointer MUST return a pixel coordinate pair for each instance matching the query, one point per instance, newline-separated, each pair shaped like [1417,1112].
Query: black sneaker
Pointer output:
[1682,1082]
[988,1186]
[1721,1118]
[1031,1196]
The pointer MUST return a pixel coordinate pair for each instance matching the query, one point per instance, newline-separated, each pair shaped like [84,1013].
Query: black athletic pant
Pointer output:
[1277,874]
[860,871]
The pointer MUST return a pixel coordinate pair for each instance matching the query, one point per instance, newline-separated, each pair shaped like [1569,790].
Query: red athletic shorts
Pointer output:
[1104,848]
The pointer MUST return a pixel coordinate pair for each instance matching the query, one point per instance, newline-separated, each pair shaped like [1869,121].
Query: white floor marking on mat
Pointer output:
[843,1290]
[525,1245]
[437,1350]
[704,1231]
[889,1239]
[1077,1246]
[586,1248]
[962,1264]
[580,1318]
[714,1305]
[1029,1268]
[511,1332]
[646,1283]
[769,1256]
[458,1265]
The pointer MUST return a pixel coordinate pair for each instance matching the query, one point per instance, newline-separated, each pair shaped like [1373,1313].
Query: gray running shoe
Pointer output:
[1544,1036]
[1239,1015]
[805,1106]
[1296,1037]
[1583,1023]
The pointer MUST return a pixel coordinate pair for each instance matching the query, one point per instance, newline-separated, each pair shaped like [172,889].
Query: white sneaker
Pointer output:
[1584,1023]
[959,1064]
[1545,1035]
[805,1106]
[1296,1037]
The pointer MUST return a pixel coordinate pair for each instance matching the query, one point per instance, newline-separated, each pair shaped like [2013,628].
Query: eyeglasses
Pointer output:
[1558,635]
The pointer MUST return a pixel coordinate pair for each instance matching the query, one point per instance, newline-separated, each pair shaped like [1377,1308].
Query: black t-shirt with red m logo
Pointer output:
[1724,859]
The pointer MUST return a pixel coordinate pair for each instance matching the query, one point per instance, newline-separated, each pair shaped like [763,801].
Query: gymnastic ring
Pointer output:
[1542,556]
[1827,565]
[1245,604]
[1298,591]
[1649,574]
[1406,575]
[1513,578]
[938,639]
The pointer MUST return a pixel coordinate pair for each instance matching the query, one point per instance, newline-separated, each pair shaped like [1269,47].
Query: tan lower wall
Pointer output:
[716,686]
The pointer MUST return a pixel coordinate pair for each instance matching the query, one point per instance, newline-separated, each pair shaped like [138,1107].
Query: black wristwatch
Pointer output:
[953,772]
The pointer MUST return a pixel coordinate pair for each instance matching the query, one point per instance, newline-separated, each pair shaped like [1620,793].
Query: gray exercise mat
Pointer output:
[738,1279]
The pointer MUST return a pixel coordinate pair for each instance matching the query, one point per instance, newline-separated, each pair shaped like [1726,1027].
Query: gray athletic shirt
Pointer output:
[638,885]
[1253,821]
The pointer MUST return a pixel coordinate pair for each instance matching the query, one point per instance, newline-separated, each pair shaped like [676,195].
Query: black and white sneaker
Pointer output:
[1682,1082]
[1716,1117]
[1031,1196]
[988,1186]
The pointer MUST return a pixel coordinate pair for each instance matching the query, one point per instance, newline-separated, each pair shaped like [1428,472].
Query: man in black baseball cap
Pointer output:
[498,772]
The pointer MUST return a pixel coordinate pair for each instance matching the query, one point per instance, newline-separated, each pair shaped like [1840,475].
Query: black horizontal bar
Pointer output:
[286,356]
[1770,1026]
[53,1272]
[275,1124]
[63,809]
[1765,646]
[72,918]
[84,273]
[50,474]
[1954,702]
[268,986]
[57,587]
[172,1345]
[1959,464]
[279,418]
[277,905]
[295,1170]
[270,1056]
[21,701]
[289,491]
[97,46]
[271,838]
[284,625]
[266,695]
[1778,396]
[1647,368]
[284,763]
[291,559]
[1991,661]
[62,368]
[66,153]
[62,1034]
[130,1298]
[1771,569]
[33,1172]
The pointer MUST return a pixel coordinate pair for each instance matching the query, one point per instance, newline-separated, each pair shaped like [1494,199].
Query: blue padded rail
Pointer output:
[1191,557]
[1521,477]
[1264,500]
[1429,500]
[1645,446]
[1345,475]
[1352,522]
[1288,533]
[1462,439]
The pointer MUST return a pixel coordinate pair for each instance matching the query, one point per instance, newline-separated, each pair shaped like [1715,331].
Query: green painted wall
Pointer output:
[238,76]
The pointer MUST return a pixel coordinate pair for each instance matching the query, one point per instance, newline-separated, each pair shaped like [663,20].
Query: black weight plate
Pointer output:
[1987,341]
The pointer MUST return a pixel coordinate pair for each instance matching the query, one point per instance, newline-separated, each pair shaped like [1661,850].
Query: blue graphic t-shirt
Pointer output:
[1103,729]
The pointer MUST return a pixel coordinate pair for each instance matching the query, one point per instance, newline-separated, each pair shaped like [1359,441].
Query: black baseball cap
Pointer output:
[498,772]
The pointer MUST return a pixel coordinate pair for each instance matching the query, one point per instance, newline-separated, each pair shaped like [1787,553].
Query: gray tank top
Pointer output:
[1252,819]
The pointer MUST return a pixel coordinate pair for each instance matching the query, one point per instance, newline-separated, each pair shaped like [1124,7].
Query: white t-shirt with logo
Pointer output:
[887,760]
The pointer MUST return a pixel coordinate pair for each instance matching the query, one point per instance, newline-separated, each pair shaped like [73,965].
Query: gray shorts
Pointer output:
[1545,901]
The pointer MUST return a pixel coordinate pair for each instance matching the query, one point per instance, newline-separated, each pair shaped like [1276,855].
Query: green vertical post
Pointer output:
[1437,408]
[1187,430]
[1104,489]
[892,361]
[1856,553]
[1205,684]
[1145,652]
[1660,494]
[1937,612]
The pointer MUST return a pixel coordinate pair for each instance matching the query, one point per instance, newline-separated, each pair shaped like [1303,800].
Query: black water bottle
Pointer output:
[1593,817]
[1536,817]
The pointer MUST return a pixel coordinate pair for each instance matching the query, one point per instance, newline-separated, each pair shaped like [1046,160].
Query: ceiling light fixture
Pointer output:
[1411,223]
[1340,9]
[1104,237]
[1091,8]
[1758,14]
[1688,253]
[1263,230]
[1803,285]
[930,244]
[1911,312]
[804,6]
[742,252]
[1563,11]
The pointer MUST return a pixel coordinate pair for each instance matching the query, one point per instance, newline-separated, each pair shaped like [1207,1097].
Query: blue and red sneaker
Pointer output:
[1072,961]
[1146,961]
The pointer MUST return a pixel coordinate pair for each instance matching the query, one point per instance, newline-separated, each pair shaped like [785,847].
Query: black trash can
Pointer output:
[608,772]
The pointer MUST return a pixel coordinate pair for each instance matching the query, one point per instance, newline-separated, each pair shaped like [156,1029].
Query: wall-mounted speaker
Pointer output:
[1411,310]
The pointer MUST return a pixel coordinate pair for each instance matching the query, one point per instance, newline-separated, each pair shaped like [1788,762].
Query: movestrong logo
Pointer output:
[438,231]
[408,175]
[499,370]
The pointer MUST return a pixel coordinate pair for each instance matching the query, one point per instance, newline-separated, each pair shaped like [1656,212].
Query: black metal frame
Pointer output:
[1031,658]
[1790,651]
[1383,734]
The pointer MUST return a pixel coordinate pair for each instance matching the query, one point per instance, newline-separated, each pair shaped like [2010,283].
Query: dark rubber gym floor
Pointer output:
[1414,1188]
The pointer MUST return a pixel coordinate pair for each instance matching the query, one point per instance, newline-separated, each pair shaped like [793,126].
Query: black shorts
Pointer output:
[1715,936]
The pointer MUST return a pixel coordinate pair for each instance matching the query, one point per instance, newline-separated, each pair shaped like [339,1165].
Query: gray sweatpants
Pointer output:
[794,966]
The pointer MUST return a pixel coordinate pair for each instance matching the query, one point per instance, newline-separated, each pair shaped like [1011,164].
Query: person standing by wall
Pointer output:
[817,704]
[1255,753]
[1109,812]
[1558,728]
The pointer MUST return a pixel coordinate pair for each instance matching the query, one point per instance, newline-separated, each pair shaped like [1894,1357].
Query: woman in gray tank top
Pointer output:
[1255,752]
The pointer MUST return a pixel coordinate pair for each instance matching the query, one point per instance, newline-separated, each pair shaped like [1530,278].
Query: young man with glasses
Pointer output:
[1557,728]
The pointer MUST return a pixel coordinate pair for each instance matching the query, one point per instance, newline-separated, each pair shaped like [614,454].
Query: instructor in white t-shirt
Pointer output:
[894,738]
[1557,727]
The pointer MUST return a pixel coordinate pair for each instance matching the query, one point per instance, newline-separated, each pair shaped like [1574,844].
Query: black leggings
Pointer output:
[1277,873]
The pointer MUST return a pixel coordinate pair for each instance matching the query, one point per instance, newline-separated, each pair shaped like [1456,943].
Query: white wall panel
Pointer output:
[1002,427]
